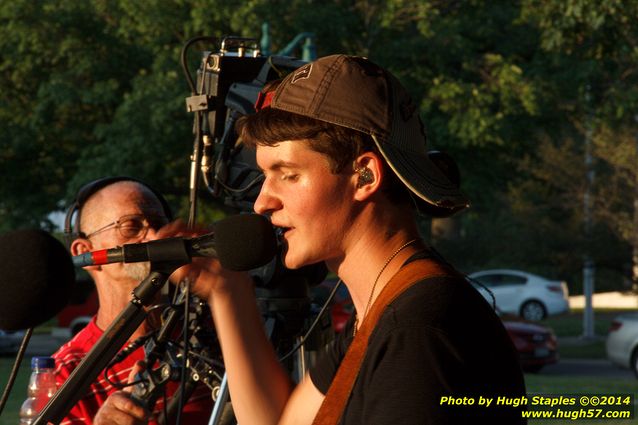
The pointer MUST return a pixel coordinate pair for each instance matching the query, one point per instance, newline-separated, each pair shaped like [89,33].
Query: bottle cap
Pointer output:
[42,362]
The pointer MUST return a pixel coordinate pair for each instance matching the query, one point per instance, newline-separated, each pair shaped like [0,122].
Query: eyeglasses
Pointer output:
[133,226]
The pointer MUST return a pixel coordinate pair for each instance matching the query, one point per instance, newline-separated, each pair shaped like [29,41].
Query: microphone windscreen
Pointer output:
[245,241]
[36,278]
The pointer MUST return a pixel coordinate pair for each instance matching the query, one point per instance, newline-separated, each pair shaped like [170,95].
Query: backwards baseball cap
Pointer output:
[355,93]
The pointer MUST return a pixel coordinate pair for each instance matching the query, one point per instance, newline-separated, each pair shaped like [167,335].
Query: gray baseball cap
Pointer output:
[354,92]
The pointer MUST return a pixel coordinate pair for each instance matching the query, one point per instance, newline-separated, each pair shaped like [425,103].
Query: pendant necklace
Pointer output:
[374,285]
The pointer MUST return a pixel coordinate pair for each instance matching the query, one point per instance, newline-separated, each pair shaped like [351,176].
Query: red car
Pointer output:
[81,308]
[536,344]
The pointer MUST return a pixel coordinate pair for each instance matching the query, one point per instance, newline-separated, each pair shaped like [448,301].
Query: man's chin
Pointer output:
[293,263]
[289,263]
[137,271]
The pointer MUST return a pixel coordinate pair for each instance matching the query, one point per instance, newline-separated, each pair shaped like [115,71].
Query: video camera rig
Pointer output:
[227,86]
[228,83]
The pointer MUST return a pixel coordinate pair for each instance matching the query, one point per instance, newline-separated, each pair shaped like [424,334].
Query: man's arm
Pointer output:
[260,388]
[303,404]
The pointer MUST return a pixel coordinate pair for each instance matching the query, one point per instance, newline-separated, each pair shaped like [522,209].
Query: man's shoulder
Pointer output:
[430,294]
[69,355]
[442,304]
[74,350]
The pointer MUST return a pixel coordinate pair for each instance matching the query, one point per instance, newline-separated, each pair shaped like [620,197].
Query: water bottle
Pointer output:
[41,388]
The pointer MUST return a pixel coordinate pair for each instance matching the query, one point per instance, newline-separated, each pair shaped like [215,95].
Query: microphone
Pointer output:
[240,242]
[36,277]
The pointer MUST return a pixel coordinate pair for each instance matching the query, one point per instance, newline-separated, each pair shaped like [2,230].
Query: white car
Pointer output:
[622,341]
[523,294]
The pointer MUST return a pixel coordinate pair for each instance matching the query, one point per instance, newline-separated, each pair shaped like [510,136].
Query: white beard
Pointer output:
[137,271]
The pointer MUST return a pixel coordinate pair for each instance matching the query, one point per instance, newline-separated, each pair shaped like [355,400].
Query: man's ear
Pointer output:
[367,175]
[80,246]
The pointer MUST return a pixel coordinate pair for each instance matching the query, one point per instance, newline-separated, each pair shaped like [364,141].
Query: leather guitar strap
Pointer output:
[339,392]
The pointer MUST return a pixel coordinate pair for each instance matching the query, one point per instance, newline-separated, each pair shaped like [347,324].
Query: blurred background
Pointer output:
[537,100]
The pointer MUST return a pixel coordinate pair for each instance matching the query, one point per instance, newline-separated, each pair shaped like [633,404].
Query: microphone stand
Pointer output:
[118,332]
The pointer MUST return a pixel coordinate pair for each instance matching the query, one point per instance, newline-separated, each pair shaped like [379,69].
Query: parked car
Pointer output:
[622,341]
[536,345]
[10,341]
[527,295]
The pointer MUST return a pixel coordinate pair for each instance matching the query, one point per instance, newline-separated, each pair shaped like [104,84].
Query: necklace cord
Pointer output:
[374,285]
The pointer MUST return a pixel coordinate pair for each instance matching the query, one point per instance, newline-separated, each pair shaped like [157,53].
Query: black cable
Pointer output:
[312,327]
[165,409]
[207,360]
[440,258]
[119,357]
[195,168]
[183,61]
[489,291]
[16,368]
[254,182]
[132,346]
[185,353]
[129,349]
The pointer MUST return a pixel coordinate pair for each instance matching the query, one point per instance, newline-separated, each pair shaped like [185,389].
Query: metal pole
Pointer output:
[634,259]
[220,402]
[588,289]
[301,360]
[589,269]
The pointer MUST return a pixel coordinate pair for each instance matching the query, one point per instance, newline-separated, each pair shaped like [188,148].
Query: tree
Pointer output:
[61,73]
[594,45]
[510,89]
[91,89]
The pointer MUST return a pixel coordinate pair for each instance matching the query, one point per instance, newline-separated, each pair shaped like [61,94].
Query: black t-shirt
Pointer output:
[439,338]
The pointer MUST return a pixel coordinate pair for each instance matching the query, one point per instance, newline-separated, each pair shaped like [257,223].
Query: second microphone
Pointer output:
[240,242]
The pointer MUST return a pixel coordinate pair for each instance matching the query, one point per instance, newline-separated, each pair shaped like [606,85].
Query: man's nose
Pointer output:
[266,202]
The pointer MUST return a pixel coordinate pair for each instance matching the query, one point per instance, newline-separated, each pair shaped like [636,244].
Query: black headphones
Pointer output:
[73,213]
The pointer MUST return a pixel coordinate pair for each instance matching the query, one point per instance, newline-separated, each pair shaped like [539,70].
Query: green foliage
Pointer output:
[510,89]
[61,73]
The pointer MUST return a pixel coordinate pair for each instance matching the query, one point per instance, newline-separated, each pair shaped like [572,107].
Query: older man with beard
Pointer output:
[111,212]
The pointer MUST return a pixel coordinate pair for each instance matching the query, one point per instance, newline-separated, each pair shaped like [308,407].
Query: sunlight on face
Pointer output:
[312,205]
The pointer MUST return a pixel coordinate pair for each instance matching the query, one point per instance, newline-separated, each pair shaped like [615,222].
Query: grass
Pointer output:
[571,324]
[568,327]
[46,327]
[10,413]
[586,350]
[564,385]
[544,384]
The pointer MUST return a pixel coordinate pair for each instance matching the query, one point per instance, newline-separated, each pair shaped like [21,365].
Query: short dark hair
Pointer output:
[340,145]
